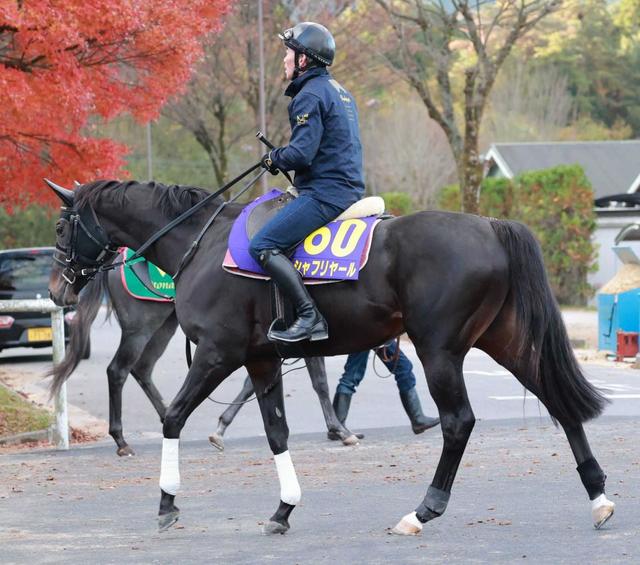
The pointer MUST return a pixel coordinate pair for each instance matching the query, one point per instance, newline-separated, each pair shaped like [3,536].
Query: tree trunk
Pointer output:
[469,164]
[470,174]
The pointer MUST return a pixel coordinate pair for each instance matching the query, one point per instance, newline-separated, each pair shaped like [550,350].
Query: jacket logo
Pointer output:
[302,119]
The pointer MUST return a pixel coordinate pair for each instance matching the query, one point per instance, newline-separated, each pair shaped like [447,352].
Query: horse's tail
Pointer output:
[543,341]
[86,312]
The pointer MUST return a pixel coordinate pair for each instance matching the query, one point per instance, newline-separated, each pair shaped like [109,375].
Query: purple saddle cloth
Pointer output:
[335,252]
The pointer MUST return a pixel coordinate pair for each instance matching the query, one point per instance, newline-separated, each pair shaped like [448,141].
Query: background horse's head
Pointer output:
[82,246]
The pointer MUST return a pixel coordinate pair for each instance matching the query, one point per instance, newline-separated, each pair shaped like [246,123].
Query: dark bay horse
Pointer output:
[451,281]
[147,327]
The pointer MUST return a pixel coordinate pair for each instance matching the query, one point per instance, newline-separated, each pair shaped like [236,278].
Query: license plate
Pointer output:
[39,334]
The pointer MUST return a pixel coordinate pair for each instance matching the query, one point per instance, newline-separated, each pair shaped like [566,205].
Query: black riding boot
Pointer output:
[341,403]
[309,323]
[413,408]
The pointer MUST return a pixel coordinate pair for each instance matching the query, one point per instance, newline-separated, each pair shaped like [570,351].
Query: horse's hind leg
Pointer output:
[498,343]
[230,413]
[267,382]
[591,475]
[318,374]
[446,384]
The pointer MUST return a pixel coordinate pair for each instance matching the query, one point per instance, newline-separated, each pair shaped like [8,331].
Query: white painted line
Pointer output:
[488,373]
[531,397]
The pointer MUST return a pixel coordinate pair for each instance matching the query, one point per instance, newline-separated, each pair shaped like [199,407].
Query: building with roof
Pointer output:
[612,167]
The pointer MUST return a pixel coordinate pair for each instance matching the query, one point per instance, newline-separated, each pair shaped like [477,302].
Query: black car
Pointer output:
[24,274]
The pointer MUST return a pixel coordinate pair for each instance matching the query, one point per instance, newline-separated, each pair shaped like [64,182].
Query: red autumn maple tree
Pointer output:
[64,61]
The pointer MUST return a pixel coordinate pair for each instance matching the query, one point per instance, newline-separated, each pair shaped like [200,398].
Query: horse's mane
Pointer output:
[172,200]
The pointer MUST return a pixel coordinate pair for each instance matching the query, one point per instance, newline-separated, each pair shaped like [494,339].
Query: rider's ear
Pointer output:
[64,194]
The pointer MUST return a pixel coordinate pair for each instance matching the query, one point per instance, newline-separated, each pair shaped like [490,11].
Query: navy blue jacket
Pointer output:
[324,149]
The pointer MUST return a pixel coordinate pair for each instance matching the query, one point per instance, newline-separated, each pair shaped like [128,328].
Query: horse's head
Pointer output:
[82,247]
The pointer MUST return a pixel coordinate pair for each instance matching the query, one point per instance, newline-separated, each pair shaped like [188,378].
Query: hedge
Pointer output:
[557,204]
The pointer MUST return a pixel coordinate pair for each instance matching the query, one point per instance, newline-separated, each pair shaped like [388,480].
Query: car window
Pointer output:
[25,272]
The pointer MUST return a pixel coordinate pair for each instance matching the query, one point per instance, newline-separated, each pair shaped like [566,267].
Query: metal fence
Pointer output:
[61,428]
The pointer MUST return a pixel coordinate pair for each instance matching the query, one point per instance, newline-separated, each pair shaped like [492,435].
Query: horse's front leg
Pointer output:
[129,350]
[267,382]
[207,371]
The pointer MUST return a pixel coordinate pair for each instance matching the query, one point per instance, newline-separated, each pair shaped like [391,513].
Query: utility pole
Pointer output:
[263,119]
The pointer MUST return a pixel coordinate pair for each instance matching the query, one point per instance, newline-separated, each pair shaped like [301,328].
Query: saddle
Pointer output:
[335,252]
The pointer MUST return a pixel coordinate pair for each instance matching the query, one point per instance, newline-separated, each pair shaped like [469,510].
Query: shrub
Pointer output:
[397,203]
[557,204]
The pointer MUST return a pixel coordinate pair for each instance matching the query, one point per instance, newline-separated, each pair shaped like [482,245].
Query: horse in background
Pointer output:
[147,327]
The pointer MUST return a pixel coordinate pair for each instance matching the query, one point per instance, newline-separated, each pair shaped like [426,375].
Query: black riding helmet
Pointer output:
[314,40]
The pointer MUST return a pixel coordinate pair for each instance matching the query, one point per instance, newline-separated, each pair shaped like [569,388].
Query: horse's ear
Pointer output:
[64,194]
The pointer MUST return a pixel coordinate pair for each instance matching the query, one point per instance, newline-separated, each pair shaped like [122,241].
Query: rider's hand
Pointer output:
[267,163]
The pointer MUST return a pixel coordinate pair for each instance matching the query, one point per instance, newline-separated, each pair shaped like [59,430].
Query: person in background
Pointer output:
[402,369]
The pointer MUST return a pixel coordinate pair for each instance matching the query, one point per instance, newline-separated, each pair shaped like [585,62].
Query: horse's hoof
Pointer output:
[165,521]
[125,451]
[601,510]
[351,440]
[408,526]
[272,527]
[216,441]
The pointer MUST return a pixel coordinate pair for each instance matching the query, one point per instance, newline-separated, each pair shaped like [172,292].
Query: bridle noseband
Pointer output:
[82,246]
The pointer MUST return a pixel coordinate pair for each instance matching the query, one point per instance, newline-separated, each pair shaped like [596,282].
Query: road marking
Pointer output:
[488,373]
[531,397]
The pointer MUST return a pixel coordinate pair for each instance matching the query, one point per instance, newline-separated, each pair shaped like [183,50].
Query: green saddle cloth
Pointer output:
[146,281]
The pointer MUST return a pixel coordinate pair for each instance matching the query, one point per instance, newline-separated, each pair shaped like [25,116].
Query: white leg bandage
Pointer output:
[413,520]
[170,467]
[289,487]
[597,502]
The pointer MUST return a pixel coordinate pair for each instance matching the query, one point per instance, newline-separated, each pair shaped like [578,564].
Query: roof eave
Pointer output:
[494,154]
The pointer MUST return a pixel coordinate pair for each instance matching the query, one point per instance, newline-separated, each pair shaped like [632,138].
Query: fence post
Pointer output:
[61,433]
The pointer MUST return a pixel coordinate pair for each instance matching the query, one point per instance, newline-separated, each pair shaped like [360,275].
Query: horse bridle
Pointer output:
[81,257]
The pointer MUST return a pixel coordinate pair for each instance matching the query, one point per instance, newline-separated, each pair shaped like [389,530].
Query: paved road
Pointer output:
[517,499]
[517,496]
[494,393]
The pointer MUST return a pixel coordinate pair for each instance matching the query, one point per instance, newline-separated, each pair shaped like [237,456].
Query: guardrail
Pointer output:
[61,428]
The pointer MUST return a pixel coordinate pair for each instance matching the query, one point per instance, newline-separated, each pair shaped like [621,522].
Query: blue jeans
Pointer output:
[292,224]
[356,365]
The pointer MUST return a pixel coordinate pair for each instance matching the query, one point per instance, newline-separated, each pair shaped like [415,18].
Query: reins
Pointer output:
[181,218]
[268,388]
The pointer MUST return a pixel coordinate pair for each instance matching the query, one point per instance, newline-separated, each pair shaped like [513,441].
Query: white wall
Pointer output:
[609,226]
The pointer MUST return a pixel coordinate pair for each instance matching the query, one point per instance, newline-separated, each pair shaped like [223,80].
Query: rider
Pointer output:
[325,152]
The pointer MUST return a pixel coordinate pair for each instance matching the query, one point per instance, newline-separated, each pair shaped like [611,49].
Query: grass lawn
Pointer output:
[19,415]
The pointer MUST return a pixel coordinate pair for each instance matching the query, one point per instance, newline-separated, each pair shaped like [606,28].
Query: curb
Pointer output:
[38,435]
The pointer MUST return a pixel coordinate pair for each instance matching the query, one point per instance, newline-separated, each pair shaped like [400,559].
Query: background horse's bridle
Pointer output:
[81,256]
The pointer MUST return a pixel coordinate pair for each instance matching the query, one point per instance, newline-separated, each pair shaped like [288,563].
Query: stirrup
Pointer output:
[318,332]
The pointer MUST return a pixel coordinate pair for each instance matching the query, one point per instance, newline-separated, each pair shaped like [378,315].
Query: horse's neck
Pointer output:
[132,225]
